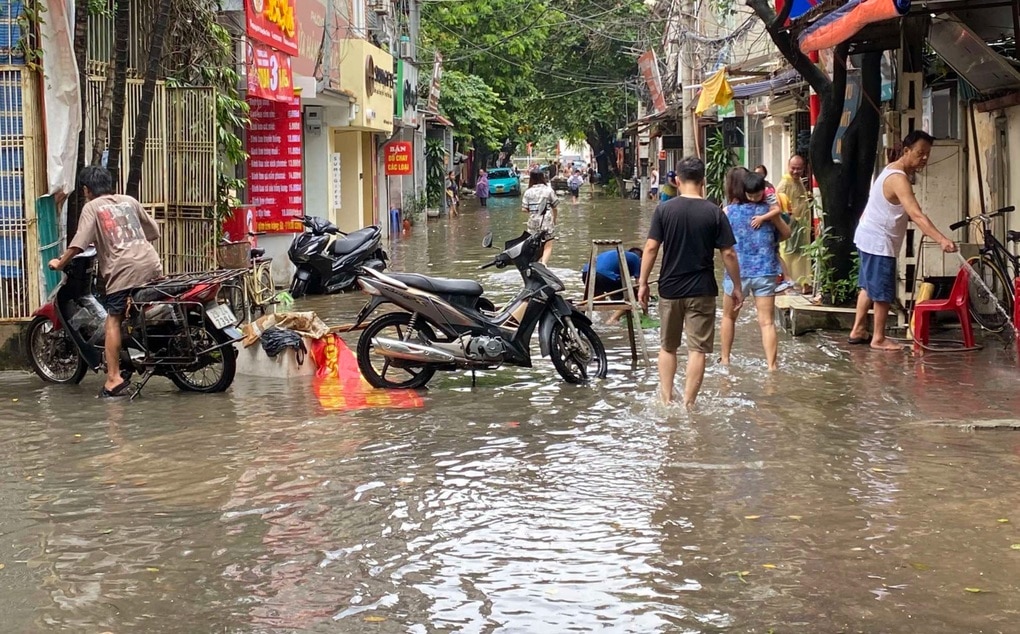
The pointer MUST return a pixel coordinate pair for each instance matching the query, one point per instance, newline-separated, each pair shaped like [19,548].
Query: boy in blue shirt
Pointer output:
[608,278]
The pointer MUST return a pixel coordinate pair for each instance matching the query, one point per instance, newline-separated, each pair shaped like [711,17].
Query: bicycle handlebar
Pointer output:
[994,214]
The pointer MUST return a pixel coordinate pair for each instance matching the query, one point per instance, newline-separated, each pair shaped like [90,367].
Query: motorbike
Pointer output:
[174,327]
[331,267]
[449,324]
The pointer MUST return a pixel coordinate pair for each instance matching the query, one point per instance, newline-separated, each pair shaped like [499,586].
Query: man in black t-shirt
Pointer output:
[689,229]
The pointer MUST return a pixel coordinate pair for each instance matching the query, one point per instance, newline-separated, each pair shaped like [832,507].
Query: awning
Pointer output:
[438,119]
[786,79]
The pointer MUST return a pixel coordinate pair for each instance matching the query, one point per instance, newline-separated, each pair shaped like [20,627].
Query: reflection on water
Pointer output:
[821,498]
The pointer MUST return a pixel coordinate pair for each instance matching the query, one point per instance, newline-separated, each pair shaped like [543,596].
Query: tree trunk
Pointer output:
[81,36]
[601,141]
[103,124]
[121,29]
[148,95]
[844,186]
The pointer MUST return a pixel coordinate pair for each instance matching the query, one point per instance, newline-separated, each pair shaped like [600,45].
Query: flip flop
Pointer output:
[117,391]
[858,341]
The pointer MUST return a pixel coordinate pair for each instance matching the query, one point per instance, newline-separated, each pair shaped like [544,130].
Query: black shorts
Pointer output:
[605,285]
[116,303]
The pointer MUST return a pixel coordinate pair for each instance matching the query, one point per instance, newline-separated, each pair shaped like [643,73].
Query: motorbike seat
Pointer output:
[439,285]
[353,241]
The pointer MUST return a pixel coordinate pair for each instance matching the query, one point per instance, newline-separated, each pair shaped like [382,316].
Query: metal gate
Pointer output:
[19,173]
[179,173]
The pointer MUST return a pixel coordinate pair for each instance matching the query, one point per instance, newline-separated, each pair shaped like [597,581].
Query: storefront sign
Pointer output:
[648,65]
[269,74]
[398,158]
[273,23]
[378,80]
[274,165]
[405,103]
[367,72]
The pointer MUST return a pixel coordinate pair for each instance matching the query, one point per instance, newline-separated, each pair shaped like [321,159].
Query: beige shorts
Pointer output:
[696,315]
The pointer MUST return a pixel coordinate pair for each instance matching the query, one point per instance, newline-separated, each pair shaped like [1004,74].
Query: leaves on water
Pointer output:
[769,566]
[2,566]
[152,568]
[879,470]
[795,517]
[916,565]
[974,590]
[739,574]
[752,517]
[375,619]
[1015,546]
[1003,520]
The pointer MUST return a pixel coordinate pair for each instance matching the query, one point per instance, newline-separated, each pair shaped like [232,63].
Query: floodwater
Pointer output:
[844,493]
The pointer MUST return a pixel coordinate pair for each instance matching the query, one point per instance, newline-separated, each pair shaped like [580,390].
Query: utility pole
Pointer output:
[686,58]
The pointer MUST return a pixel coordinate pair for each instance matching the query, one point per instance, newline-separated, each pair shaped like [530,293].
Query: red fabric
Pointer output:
[338,383]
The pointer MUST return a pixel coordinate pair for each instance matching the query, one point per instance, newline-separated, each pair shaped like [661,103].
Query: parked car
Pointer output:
[503,180]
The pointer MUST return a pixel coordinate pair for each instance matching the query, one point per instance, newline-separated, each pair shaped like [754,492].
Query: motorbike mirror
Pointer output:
[487,240]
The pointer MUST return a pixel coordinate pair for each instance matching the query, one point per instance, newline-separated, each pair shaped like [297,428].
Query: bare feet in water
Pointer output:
[885,345]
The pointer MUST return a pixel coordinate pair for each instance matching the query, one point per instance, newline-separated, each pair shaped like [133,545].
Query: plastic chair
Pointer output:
[955,303]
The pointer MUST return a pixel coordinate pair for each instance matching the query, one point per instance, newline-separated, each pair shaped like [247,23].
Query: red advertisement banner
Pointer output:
[274,165]
[273,22]
[269,74]
[398,158]
[648,66]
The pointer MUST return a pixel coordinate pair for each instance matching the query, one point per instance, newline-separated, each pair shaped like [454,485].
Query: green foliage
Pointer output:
[562,69]
[28,21]
[831,287]
[474,107]
[435,171]
[718,161]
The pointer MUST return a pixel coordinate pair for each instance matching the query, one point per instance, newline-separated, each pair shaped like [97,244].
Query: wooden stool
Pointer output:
[603,302]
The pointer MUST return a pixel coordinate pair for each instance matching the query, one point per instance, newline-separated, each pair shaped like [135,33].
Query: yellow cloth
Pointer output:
[714,92]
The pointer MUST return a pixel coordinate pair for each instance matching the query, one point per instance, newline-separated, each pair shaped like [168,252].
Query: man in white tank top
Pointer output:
[880,233]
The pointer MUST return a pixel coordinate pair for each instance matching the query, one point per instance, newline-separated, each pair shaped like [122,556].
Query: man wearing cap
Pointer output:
[669,188]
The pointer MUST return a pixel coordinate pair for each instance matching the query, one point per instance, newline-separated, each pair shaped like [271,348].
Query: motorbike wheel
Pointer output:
[298,288]
[53,354]
[385,372]
[217,370]
[581,360]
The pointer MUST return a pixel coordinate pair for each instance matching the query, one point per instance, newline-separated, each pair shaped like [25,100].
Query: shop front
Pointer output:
[356,157]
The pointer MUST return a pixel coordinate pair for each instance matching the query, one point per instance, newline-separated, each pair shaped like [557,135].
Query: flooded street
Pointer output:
[840,494]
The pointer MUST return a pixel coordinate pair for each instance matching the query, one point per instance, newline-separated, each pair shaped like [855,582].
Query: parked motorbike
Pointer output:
[174,327]
[331,267]
[449,324]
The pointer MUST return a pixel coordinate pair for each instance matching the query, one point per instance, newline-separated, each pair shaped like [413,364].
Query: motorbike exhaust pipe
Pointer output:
[410,351]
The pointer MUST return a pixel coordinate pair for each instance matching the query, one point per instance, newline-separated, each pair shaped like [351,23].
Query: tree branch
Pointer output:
[788,46]
[830,114]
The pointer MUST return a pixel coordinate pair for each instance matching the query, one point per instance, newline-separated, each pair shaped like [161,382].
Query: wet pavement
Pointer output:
[841,494]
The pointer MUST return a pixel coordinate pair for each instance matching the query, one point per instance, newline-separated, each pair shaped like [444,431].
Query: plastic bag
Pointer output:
[276,340]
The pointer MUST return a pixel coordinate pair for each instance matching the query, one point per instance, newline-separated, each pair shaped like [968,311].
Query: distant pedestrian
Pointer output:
[653,182]
[482,187]
[688,229]
[669,188]
[540,201]
[574,184]
[452,192]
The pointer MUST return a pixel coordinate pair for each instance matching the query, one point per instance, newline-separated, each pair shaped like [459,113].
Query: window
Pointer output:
[945,114]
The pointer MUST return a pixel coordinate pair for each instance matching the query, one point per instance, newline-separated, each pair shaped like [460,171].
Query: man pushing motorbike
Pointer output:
[122,233]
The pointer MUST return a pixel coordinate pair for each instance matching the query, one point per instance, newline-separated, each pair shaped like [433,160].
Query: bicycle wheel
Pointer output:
[991,297]
[265,290]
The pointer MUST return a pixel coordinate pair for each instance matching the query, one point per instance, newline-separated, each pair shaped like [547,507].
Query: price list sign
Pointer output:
[274,165]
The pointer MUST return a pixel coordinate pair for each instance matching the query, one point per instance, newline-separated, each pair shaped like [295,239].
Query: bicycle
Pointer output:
[993,266]
[256,292]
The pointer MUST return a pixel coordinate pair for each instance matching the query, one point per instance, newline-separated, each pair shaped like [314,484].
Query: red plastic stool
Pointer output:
[956,303]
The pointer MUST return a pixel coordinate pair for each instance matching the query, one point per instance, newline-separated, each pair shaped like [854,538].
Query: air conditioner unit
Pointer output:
[381,7]
[405,49]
